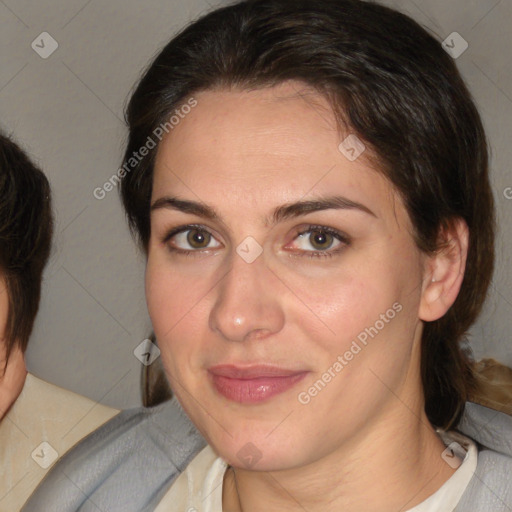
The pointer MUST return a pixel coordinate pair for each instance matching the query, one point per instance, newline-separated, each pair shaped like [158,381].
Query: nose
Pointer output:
[247,304]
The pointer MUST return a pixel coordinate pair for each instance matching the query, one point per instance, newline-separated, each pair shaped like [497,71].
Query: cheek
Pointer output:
[373,302]
[347,300]
[177,305]
[173,298]
[160,303]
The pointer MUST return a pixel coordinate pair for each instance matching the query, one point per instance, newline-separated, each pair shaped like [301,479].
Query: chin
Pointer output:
[256,437]
[254,449]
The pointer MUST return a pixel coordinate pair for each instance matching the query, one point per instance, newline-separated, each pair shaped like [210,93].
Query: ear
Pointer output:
[444,271]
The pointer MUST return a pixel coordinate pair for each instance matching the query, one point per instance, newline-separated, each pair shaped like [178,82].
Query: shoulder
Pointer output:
[126,464]
[490,428]
[490,488]
[54,403]
[43,424]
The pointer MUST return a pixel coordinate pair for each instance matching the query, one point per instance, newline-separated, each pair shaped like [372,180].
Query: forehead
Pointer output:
[273,120]
[265,147]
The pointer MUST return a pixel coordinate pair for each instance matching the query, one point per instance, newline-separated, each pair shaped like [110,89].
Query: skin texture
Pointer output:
[363,442]
[11,382]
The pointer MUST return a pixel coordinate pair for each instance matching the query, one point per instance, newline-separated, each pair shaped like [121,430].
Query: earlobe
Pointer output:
[444,271]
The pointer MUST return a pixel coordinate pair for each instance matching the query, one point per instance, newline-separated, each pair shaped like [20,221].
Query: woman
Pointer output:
[318,225]
[38,421]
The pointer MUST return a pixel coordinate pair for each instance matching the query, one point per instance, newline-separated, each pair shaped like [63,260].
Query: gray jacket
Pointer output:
[128,464]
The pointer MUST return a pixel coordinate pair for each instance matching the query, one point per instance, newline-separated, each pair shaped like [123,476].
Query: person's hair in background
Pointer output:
[26,228]
[405,100]
[494,385]
[38,410]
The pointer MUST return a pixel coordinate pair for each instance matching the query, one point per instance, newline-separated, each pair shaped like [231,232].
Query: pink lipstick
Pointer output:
[253,384]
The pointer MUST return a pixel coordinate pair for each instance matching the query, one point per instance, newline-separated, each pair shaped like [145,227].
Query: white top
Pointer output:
[44,422]
[199,487]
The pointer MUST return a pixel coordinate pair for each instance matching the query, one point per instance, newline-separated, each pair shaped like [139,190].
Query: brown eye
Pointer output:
[320,241]
[198,239]
[188,239]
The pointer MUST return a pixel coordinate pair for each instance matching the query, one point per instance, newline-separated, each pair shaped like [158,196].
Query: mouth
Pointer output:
[253,384]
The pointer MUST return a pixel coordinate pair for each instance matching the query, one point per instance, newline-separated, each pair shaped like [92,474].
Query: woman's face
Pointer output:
[282,279]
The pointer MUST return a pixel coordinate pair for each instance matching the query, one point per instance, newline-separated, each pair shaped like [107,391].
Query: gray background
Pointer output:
[66,111]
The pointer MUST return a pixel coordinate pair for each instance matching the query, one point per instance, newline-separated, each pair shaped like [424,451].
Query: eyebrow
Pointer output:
[281,213]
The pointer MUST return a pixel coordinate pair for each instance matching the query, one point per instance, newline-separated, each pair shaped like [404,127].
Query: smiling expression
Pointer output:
[270,252]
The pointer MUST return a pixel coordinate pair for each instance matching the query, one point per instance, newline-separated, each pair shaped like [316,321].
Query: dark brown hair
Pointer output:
[155,388]
[392,84]
[26,226]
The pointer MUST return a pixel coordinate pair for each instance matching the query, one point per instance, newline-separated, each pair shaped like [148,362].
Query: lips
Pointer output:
[253,384]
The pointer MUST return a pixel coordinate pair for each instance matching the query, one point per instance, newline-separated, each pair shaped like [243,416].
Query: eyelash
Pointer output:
[177,231]
[344,239]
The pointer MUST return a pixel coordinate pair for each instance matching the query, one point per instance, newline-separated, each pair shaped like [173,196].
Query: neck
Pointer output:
[12,380]
[385,469]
